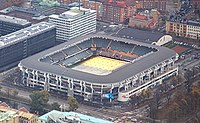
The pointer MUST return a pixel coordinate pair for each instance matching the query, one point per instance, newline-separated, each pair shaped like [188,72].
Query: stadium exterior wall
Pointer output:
[89,91]
[96,91]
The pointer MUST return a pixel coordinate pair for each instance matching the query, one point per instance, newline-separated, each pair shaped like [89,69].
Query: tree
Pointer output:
[0,88]
[38,100]
[73,103]
[15,92]
[55,106]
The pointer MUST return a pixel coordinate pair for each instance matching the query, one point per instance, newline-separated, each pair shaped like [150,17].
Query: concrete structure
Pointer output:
[145,66]
[10,24]
[26,42]
[69,117]
[10,115]
[74,23]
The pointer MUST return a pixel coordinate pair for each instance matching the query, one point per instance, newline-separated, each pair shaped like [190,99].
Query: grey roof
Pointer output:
[193,23]
[25,33]
[14,20]
[140,35]
[116,76]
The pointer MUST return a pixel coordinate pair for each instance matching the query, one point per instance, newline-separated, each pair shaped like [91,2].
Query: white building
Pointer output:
[74,23]
[193,29]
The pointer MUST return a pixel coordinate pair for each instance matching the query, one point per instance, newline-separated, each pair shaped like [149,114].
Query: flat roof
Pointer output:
[119,75]
[70,14]
[25,33]
[14,20]
[140,35]
[85,118]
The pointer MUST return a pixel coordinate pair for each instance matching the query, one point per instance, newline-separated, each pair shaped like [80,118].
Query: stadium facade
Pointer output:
[74,23]
[130,67]
[10,24]
[25,42]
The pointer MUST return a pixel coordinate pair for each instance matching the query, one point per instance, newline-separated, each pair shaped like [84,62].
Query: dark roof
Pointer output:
[116,76]
[140,35]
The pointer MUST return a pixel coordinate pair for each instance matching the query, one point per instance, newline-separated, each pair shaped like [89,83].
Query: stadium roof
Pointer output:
[118,75]
[14,20]
[140,35]
[25,33]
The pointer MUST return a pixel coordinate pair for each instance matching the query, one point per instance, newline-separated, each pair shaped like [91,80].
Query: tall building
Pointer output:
[10,115]
[25,42]
[94,5]
[118,11]
[154,4]
[10,24]
[73,23]
[69,117]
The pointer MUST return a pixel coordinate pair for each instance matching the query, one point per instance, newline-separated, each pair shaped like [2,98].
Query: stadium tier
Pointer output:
[95,66]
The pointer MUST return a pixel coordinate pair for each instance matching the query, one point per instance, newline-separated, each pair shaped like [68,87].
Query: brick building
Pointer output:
[94,5]
[196,4]
[118,11]
[7,3]
[145,20]
[153,4]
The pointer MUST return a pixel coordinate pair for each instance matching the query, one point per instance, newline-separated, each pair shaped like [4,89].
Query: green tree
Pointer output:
[38,100]
[15,92]
[73,103]
[0,87]
[55,106]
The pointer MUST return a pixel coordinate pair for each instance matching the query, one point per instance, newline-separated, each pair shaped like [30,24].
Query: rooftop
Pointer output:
[140,35]
[25,33]
[70,14]
[72,115]
[11,111]
[14,20]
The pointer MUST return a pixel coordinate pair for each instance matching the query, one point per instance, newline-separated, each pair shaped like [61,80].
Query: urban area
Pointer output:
[99,61]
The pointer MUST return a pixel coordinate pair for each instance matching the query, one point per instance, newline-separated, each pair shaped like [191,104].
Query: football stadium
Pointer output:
[99,68]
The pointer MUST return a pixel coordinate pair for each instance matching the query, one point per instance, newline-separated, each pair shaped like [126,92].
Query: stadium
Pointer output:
[99,68]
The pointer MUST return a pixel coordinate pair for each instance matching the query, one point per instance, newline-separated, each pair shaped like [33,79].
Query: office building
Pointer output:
[10,24]
[73,23]
[25,42]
